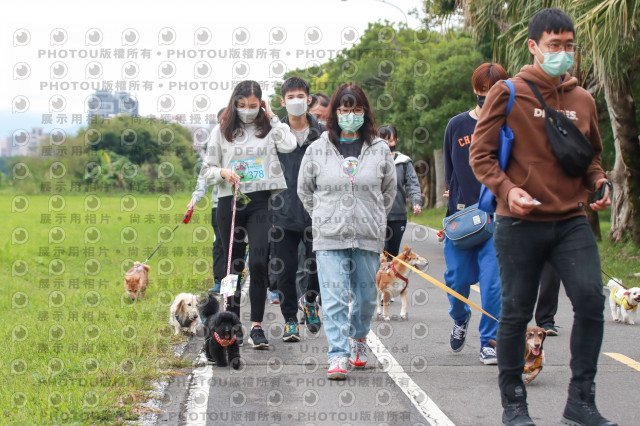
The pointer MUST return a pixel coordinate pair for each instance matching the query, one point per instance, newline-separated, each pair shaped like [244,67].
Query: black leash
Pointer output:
[613,279]
[186,219]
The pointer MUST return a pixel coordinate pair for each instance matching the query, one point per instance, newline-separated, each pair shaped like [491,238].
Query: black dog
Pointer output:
[220,333]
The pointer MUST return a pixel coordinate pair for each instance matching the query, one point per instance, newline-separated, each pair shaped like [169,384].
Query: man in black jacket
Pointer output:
[292,223]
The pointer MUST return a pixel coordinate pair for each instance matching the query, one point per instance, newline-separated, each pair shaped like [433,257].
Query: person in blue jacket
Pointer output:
[479,263]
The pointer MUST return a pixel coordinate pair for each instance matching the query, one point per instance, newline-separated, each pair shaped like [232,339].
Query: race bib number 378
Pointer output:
[249,169]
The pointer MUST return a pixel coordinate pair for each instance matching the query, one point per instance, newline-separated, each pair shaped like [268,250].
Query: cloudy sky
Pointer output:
[174,57]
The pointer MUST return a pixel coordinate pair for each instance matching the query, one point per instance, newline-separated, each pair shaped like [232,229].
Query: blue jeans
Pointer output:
[522,248]
[475,265]
[344,275]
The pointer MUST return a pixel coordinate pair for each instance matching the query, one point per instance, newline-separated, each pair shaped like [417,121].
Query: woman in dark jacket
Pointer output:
[407,184]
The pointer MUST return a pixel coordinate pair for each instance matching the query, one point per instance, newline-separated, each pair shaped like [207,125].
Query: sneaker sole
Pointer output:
[356,365]
[337,376]
[570,422]
[259,345]
[489,361]
[551,333]
[292,338]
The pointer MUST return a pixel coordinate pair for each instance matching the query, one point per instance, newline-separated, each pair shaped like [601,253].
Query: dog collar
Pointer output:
[224,342]
[535,364]
[399,275]
[184,323]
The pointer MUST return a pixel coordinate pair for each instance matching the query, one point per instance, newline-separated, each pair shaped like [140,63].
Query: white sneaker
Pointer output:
[337,368]
[358,356]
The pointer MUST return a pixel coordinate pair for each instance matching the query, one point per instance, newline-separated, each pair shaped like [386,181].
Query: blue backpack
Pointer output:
[487,201]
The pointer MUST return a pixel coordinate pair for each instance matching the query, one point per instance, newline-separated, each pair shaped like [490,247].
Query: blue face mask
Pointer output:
[556,63]
[351,122]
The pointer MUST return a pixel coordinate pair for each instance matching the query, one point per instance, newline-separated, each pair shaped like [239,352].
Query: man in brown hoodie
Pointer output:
[540,216]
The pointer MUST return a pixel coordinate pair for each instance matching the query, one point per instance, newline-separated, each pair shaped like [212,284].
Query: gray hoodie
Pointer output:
[347,215]
[407,184]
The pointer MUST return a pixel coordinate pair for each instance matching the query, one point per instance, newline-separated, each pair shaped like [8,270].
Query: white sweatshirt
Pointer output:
[260,155]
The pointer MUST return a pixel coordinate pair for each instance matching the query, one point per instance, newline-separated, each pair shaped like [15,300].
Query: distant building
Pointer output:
[22,142]
[106,104]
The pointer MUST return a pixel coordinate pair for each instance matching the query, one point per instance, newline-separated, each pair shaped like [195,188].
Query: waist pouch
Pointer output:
[468,227]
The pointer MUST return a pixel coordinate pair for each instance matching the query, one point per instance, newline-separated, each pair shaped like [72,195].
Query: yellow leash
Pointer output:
[443,287]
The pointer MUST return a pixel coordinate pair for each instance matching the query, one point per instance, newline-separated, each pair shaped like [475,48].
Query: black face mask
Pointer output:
[480,100]
[392,148]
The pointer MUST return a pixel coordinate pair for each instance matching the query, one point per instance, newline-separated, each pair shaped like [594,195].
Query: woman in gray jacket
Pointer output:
[347,183]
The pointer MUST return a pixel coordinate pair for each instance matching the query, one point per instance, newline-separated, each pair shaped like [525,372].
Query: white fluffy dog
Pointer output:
[623,302]
[184,313]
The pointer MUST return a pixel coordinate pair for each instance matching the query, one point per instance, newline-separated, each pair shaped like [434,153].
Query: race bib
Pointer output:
[249,169]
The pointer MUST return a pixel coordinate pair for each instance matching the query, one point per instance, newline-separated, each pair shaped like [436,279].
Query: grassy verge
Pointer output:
[74,348]
[618,260]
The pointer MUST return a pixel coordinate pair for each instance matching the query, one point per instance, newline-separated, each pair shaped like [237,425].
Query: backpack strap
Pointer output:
[512,96]
[536,92]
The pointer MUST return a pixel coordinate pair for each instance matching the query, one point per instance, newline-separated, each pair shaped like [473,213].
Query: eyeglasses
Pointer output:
[357,110]
[557,47]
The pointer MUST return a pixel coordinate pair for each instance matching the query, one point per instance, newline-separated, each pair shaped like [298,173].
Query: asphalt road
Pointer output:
[427,383]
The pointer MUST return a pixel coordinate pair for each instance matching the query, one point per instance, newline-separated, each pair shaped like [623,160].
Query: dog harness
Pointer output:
[224,342]
[537,363]
[184,323]
[399,275]
[620,298]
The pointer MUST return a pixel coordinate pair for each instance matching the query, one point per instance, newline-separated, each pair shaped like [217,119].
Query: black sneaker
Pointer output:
[550,329]
[459,335]
[291,332]
[257,338]
[310,311]
[581,407]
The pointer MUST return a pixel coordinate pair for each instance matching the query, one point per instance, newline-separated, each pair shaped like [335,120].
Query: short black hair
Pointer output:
[551,21]
[388,131]
[319,97]
[294,83]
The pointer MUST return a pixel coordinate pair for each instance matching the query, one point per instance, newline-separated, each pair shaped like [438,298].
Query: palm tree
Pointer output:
[608,32]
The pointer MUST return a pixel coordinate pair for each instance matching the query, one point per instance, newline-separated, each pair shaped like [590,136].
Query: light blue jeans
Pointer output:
[345,275]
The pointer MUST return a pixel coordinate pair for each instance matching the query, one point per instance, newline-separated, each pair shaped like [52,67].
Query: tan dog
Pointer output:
[136,281]
[392,280]
[533,353]
[184,313]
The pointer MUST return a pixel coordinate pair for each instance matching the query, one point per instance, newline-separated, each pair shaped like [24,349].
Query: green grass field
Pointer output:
[618,260]
[75,349]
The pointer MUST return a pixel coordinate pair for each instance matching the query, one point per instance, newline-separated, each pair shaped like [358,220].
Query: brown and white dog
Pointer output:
[533,353]
[623,302]
[136,280]
[392,280]
[184,313]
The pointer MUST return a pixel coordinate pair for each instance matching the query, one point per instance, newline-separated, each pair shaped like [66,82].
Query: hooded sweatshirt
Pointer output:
[532,165]
[407,183]
[345,214]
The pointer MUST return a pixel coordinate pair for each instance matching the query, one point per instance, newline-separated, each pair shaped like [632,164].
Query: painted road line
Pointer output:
[475,287]
[624,359]
[198,397]
[416,395]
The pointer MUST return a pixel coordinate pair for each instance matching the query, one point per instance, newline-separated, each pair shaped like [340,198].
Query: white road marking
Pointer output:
[198,398]
[425,405]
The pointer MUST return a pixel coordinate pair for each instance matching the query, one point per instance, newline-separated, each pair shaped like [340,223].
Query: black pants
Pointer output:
[286,264]
[522,248]
[220,256]
[395,231]
[548,297]
[252,220]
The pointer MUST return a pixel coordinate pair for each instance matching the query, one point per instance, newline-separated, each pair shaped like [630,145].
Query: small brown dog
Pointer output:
[136,281]
[533,353]
[392,280]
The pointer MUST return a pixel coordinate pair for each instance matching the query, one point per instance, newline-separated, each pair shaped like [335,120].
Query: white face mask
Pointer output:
[296,106]
[247,115]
